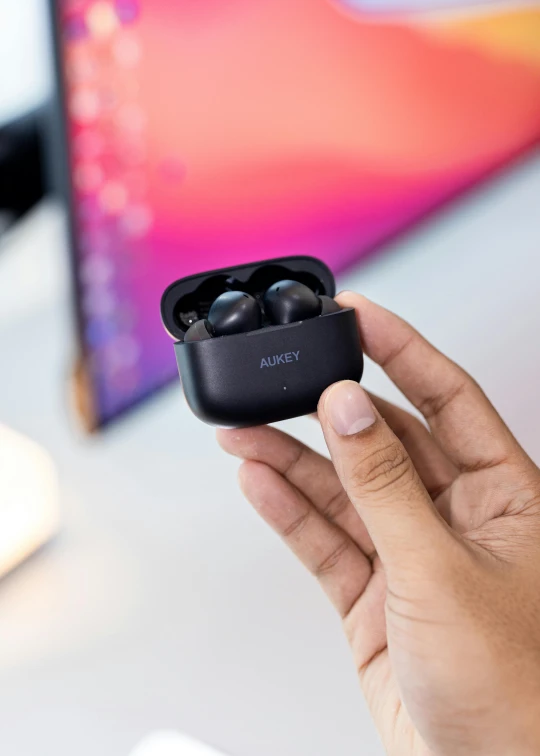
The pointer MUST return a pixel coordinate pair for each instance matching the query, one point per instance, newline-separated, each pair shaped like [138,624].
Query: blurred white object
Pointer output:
[30,275]
[29,514]
[172,744]
[25,58]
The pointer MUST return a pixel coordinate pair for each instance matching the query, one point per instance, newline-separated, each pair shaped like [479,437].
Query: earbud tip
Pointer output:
[199,331]
[328,305]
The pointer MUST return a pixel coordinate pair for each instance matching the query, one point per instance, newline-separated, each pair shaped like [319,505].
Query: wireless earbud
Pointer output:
[285,343]
[290,301]
[329,305]
[235,312]
[199,331]
[232,312]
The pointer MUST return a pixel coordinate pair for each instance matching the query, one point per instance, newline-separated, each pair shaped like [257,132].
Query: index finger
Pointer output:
[461,418]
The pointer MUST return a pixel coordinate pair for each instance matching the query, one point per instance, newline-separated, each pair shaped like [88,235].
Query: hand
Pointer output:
[426,541]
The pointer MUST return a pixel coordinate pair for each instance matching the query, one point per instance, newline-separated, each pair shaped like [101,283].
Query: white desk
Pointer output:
[166,602]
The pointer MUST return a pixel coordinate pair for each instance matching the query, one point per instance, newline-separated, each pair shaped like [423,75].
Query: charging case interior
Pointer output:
[273,373]
[190,299]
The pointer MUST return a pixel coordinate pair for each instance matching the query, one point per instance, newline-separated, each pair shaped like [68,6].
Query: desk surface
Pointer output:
[165,602]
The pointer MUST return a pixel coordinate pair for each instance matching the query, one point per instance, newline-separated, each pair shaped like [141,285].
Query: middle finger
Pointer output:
[311,473]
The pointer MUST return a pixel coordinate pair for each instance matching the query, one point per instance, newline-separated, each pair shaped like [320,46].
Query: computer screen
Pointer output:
[202,133]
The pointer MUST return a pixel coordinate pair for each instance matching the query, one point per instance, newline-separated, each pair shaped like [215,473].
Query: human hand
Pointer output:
[427,543]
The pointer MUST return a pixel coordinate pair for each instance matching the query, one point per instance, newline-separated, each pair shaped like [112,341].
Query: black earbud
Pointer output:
[237,312]
[328,305]
[290,301]
[199,331]
[232,312]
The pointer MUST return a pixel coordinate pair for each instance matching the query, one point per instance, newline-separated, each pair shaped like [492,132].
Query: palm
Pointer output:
[398,732]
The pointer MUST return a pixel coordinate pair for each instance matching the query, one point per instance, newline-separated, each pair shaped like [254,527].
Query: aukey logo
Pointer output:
[280,359]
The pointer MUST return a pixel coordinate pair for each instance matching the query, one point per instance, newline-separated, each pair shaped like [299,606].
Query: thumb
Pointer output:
[380,479]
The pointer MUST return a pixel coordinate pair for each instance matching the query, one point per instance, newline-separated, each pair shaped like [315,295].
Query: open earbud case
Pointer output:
[274,372]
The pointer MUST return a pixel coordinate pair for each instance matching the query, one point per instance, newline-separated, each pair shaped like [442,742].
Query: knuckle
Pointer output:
[336,506]
[296,525]
[525,501]
[294,462]
[332,560]
[386,467]
[434,404]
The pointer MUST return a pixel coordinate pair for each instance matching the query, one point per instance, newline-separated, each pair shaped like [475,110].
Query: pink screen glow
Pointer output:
[205,133]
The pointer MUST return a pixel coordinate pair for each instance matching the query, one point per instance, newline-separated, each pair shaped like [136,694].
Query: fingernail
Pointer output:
[348,408]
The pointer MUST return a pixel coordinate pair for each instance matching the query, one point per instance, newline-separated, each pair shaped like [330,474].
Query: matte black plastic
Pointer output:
[190,299]
[235,312]
[289,301]
[272,374]
[329,305]
[201,329]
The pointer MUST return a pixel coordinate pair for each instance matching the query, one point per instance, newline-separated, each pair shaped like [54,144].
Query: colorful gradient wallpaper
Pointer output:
[204,132]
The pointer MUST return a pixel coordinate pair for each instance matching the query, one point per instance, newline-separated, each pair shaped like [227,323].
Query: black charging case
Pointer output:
[273,373]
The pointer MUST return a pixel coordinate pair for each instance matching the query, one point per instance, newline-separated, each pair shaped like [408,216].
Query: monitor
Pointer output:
[202,133]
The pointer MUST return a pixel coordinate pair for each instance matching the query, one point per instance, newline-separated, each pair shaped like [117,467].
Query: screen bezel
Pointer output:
[83,389]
